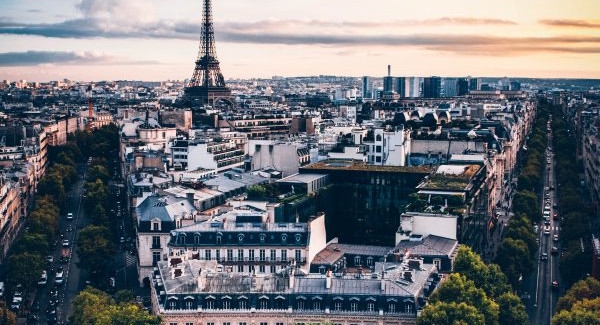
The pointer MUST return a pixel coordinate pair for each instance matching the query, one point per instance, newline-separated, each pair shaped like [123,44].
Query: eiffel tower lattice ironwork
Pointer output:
[207,84]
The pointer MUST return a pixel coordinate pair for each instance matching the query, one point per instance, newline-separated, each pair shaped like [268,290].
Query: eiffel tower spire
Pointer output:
[207,84]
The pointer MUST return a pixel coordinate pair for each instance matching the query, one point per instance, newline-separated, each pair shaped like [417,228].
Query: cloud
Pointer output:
[33,58]
[570,23]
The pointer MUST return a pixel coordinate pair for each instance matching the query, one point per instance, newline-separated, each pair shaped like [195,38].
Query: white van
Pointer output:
[1,289]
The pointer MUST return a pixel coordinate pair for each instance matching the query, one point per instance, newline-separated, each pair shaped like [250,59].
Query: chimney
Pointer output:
[291,278]
[328,280]
[190,197]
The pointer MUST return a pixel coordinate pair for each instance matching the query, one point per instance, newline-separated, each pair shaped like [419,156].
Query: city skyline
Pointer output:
[152,40]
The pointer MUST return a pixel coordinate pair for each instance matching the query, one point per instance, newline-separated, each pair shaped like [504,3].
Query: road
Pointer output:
[543,301]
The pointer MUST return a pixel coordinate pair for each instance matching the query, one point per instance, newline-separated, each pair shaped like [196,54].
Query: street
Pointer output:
[545,294]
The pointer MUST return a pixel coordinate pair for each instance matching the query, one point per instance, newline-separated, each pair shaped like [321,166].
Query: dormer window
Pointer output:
[298,238]
[262,238]
[283,238]
[241,238]
[155,226]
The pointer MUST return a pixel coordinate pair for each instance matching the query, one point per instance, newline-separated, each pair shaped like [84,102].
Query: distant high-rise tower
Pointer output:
[432,87]
[207,84]
[388,81]
[367,89]
[462,86]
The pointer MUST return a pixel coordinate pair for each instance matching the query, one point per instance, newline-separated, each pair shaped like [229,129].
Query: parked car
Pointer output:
[70,216]
[58,278]
[43,278]
[544,257]
[65,243]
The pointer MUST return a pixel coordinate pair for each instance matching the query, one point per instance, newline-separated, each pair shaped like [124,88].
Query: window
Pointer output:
[242,323]
[378,159]
[240,268]
[217,254]
[261,255]
[378,149]
[273,255]
[172,323]
[264,303]
[262,238]
[196,239]
[229,255]
[210,304]
[263,323]
[298,238]
[391,307]
[261,268]
[226,323]
[243,304]
[155,257]
[273,270]
[283,255]
[189,304]
[155,242]
[241,238]
[298,255]
[218,240]
[226,303]
[283,238]
[408,308]
[370,306]
[188,323]
[155,226]
[337,305]
[207,255]
[240,254]
[172,304]
[278,323]
[251,254]
[353,306]
[317,305]
[437,262]
[369,261]
[210,323]
[357,261]
[300,304]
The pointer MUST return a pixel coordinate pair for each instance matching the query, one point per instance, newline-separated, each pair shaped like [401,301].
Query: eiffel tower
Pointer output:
[207,84]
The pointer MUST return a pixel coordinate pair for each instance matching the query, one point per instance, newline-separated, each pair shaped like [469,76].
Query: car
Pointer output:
[65,243]
[555,238]
[554,285]
[555,216]
[69,228]
[58,278]
[554,250]
[547,222]
[547,231]
[544,257]
[1,289]
[70,216]
[43,278]
[49,258]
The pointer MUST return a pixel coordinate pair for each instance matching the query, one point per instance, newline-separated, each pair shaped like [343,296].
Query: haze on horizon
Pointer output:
[158,40]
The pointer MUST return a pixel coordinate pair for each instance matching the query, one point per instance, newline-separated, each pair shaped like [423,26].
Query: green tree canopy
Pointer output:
[457,289]
[95,248]
[514,259]
[512,310]
[95,307]
[450,313]
[588,288]
[584,312]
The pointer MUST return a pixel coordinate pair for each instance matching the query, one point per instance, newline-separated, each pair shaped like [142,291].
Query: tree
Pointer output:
[514,259]
[588,288]
[34,243]
[95,307]
[584,312]
[512,310]
[450,313]
[98,172]
[95,248]
[7,317]
[457,289]
[24,268]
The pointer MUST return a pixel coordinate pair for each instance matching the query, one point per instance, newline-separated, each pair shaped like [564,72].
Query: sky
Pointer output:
[85,40]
